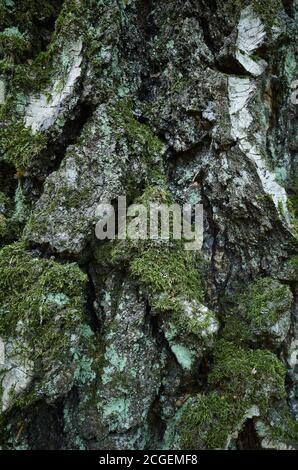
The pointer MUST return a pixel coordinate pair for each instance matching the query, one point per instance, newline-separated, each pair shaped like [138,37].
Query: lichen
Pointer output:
[243,379]
[45,331]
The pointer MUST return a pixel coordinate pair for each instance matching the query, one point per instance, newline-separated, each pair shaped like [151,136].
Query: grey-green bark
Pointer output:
[141,345]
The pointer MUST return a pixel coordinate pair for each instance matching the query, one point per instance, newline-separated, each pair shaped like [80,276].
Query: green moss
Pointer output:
[42,306]
[289,270]
[230,9]
[140,138]
[18,145]
[268,11]
[243,378]
[13,43]
[167,271]
[264,303]
[163,268]
[169,275]
[27,32]
[28,284]
[13,214]
[255,376]
[5,203]
[280,426]
[208,421]
[293,205]
[265,300]
[26,13]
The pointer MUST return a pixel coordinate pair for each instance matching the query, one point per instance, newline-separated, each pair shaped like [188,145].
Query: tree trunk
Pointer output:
[143,344]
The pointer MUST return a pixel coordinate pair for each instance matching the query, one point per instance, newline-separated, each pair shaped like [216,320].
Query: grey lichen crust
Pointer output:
[130,344]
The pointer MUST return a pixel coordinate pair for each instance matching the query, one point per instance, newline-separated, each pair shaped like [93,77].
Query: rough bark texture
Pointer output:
[117,345]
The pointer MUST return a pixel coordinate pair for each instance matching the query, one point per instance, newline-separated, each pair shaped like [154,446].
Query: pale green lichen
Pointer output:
[42,309]
[242,379]
[184,356]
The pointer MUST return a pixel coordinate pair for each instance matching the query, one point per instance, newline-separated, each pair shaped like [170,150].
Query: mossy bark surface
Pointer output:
[141,344]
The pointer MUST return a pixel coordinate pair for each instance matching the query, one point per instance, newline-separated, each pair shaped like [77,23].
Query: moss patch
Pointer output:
[268,11]
[243,379]
[28,285]
[258,309]
[18,145]
[208,421]
[42,310]
[166,271]
[252,376]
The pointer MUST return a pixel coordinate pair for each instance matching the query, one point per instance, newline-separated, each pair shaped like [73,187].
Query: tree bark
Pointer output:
[129,344]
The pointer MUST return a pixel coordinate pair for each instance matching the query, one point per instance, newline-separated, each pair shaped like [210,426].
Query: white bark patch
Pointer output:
[2,91]
[16,375]
[241,91]
[251,35]
[43,111]
[2,352]
[293,354]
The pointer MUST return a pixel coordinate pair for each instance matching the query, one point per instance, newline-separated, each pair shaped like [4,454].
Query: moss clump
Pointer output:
[252,376]
[243,378]
[265,300]
[264,304]
[166,271]
[268,11]
[141,140]
[24,56]
[292,205]
[42,305]
[18,145]
[207,421]
[13,43]
[26,25]
[31,288]
[169,272]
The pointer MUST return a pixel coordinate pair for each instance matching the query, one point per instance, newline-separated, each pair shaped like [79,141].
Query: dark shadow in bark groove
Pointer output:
[248,438]
[8,180]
